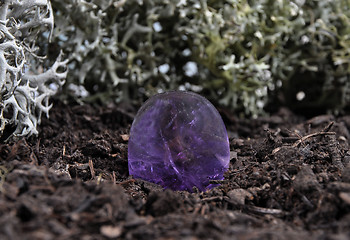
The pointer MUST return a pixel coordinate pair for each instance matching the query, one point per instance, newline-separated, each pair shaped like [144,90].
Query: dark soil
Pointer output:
[289,178]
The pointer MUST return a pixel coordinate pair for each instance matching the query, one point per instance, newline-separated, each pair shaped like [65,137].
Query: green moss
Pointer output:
[242,49]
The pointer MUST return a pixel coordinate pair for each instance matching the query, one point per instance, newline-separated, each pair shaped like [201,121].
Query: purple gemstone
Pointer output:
[178,140]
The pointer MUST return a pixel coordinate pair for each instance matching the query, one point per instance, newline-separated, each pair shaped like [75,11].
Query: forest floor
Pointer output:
[289,178]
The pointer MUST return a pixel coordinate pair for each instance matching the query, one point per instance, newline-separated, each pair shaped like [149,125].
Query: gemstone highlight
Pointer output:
[179,141]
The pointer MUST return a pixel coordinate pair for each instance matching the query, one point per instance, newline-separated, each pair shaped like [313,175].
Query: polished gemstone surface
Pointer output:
[178,140]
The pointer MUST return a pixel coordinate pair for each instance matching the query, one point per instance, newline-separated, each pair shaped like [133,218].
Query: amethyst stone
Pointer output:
[178,140]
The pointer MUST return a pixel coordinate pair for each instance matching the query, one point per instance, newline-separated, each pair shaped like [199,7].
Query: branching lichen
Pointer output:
[25,84]
[233,52]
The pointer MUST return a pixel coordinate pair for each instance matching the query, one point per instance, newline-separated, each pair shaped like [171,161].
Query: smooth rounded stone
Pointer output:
[179,141]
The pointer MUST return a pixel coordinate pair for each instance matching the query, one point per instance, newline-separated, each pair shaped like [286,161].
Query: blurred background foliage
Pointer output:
[240,54]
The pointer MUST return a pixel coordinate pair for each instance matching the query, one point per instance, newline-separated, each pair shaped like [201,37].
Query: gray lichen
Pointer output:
[233,52]
[25,83]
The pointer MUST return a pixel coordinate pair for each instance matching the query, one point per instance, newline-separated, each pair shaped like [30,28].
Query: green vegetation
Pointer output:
[234,52]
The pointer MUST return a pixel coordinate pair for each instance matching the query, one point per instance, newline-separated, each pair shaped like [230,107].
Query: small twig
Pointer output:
[293,139]
[114,177]
[214,198]
[33,158]
[257,210]
[99,179]
[260,210]
[64,151]
[328,127]
[312,135]
[307,201]
[92,170]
